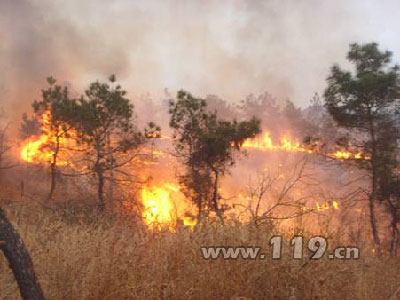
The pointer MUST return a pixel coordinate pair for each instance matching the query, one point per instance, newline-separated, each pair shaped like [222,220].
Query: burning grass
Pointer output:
[265,143]
[110,258]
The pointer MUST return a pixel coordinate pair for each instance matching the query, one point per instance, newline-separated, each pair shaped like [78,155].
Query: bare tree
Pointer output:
[273,192]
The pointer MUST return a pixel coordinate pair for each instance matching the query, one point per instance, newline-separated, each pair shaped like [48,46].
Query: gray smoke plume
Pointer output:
[226,48]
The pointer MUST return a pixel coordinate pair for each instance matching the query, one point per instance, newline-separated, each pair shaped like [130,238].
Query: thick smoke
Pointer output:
[208,47]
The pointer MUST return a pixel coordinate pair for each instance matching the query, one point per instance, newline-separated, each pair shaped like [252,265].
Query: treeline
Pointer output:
[104,141]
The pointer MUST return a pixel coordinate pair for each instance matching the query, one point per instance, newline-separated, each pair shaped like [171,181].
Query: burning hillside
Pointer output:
[164,205]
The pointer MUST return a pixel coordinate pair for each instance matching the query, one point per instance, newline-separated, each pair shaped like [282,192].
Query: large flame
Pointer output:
[157,205]
[163,210]
[42,149]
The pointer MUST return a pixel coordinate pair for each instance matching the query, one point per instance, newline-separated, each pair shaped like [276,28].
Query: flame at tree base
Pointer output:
[161,210]
[157,206]
[39,149]
[42,149]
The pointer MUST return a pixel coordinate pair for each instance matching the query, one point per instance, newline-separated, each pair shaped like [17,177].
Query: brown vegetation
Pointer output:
[78,258]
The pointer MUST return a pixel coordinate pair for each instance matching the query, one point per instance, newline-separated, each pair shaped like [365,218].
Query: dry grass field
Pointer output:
[109,259]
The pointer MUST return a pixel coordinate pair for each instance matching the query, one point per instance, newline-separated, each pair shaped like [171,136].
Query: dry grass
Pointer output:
[108,260]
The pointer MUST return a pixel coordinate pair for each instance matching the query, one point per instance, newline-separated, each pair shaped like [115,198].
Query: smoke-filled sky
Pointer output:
[228,48]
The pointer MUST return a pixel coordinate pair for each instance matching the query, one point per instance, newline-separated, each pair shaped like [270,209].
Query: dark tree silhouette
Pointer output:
[20,262]
[364,102]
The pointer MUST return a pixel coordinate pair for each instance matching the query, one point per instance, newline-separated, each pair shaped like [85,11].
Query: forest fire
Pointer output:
[164,204]
[157,205]
[163,210]
[265,143]
[52,144]
[36,151]
[41,149]
[199,150]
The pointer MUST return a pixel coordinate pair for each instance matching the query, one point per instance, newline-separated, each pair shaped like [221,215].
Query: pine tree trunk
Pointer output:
[395,230]
[53,169]
[19,260]
[372,212]
[199,209]
[100,190]
[52,182]
[100,178]
[395,237]
[111,181]
[374,183]
[374,225]
[217,210]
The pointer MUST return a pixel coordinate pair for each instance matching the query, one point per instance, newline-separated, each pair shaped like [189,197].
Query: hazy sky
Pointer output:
[228,48]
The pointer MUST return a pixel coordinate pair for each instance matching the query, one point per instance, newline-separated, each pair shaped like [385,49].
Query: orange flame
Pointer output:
[157,205]
[41,149]
[326,206]
[265,142]
[334,205]
[160,210]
